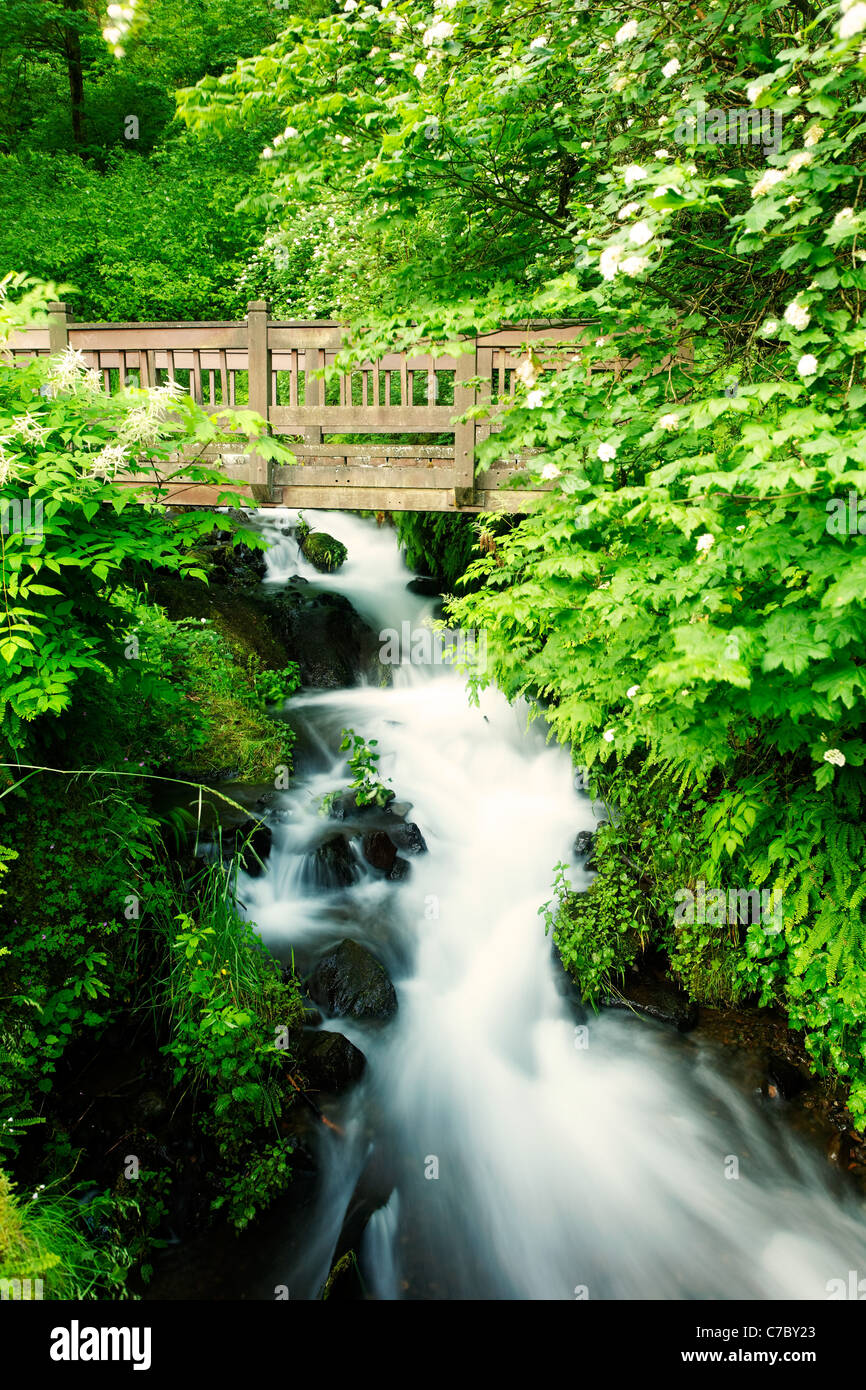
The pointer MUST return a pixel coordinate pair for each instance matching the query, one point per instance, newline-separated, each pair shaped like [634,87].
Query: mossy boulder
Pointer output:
[323,551]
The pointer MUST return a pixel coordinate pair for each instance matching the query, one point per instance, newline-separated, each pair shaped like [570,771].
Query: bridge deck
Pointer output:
[286,372]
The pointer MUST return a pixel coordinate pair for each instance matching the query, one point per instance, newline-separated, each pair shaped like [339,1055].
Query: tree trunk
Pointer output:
[72,53]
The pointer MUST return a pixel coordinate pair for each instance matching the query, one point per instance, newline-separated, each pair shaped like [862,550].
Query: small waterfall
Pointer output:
[524,1165]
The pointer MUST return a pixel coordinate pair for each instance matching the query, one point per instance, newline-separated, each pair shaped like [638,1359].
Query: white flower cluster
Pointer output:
[437,33]
[121,19]
[72,372]
[28,429]
[833,755]
[853,18]
[143,423]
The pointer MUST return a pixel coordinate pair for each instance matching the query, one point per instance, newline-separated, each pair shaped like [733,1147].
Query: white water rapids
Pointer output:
[563,1170]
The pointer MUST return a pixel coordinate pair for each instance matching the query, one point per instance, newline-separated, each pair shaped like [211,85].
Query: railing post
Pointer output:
[58,326]
[314,391]
[259,369]
[464,434]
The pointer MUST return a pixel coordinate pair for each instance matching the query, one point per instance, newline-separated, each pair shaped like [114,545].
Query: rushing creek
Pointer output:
[533,1153]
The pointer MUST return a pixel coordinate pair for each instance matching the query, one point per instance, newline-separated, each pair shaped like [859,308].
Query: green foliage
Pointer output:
[44,1238]
[199,702]
[230,1015]
[438,543]
[367,785]
[143,239]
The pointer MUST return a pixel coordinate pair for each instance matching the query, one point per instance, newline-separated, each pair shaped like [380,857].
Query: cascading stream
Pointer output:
[524,1163]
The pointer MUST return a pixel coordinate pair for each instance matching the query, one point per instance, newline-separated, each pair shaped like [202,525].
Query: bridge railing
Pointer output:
[286,372]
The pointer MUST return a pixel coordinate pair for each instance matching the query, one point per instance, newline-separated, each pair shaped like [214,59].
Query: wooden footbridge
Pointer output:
[286,372]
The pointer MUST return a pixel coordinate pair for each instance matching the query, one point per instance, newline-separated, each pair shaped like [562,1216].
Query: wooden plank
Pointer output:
[337,419]
[381,475]
[400,499]
[196,391]
[393,451]
[186,337]
[304,337]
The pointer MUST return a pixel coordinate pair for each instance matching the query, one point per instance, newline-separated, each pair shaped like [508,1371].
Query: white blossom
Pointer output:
[621,82]
[634,265]
[797,315]
[437,32]
[640,233]
[766,182]
[632,691]
[814,133]
[609,261]
[549,472]
[628,210]
[633,173]
[669,422]
[608,735]
[671,68]
[835,757]
[769,328]
[794,91]
[661,154]
[540,42]
[704,542]
[799,160]
[110,460]
[843,217]
[627,31]
[29,429]
[606,452]
[807,365]
[534,399]
[853,20]
[419,71]
[526,372]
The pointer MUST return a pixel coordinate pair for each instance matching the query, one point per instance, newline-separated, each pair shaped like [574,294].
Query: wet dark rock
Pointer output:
[330,865]
[657,998]
[400,869]
[345,808]
[323,551]
[425,586]
[783,1078]
[330,1061]
[379,850]
[237,566]
[331,643]
[343,1284]
[584,847]
[408,838]
[350,982]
